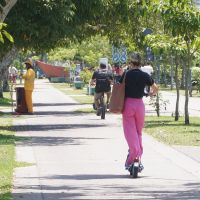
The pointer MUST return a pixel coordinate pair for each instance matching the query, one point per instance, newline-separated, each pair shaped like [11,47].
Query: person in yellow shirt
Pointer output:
[29,78]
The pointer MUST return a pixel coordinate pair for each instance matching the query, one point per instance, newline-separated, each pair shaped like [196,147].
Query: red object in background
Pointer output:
[118,71]
[51,70]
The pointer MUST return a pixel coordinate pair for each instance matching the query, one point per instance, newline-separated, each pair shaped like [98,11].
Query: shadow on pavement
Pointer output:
[44,113]
[48,127]
[55,141]
[56,104]
[53,113]
[110,191]
[88,176]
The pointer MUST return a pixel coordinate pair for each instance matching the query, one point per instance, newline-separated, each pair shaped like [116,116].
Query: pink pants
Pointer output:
[133,122]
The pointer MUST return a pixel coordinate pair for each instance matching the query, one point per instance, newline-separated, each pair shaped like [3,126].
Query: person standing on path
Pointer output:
[12,74]
[29,78]
[134,109]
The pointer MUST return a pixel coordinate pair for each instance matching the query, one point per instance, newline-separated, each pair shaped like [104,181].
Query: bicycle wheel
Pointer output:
[103,107]
[103,112]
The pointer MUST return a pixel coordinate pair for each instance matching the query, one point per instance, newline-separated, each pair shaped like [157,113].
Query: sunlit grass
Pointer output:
[166,130]
[69,90]
[182,92]
[85,110]
[84,99]
[6,101]
[7,154]
[80,95]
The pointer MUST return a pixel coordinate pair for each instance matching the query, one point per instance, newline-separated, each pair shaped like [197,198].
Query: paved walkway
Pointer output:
[79,156]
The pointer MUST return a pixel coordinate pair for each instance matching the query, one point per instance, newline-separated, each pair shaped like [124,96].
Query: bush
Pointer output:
[86,75]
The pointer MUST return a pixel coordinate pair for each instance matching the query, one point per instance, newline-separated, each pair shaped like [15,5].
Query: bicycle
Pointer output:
[102,106]
[101,111]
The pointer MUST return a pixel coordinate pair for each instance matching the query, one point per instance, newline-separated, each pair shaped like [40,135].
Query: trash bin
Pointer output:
[78,83]
[90,90]
[21,106]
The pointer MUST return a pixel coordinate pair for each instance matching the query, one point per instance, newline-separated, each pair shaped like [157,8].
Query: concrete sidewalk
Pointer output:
[77,156]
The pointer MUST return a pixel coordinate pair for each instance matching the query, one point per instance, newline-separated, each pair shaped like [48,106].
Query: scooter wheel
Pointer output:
[135,172]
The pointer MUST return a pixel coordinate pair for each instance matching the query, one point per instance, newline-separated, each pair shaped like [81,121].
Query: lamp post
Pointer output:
[148,52]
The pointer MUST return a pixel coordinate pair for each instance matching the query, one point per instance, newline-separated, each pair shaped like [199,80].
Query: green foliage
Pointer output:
[180,18]
[4,33]
[89,51]
[86,75]
[62,54]
[17,64]
[196,77]
[43,25]
[196,73]
[39,24]
[92,49]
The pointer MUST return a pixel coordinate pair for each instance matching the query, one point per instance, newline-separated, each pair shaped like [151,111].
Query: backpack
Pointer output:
[102,82]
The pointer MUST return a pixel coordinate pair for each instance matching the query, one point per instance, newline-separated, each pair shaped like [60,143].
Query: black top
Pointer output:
[104,72]
[103,80]
[135,82]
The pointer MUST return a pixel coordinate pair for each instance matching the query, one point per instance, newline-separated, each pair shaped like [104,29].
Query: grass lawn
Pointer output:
[7,156]
[84,99]
[7,149]
[6,101]
[64,87]
[80,95]
[166,130]
[182,92]
[85,110]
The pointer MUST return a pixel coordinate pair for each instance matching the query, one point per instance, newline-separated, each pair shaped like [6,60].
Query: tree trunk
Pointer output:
[2,78]
[6,8]
[183,76]
[190,82]
[171,73]
[4,64]
[158,105]
[177,90]
[187,120]
[165,78]
[7,60]
[1,88]
[5,86]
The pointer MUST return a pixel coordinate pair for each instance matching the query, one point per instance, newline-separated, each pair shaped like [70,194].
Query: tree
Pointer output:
[181,19]
[89,51]
[40,26]
[6,6]
[4,34]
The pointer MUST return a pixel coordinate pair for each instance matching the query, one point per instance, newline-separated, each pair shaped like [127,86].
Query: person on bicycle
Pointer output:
[103,79]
